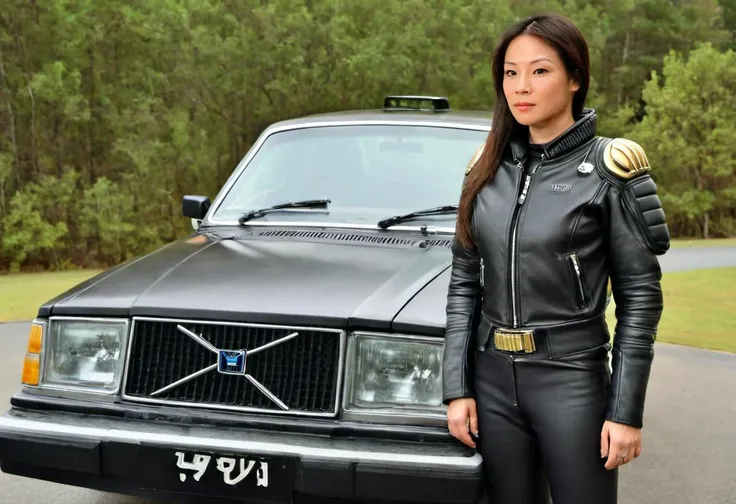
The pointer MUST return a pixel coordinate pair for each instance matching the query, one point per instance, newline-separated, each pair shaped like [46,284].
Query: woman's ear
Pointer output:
[575,81]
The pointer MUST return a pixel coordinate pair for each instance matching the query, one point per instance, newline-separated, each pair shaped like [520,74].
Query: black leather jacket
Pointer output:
[543,256]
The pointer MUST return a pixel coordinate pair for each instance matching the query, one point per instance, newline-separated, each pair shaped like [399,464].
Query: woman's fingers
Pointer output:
[473,414]
[459,416]
[462,432]
[622,453]
[605,441]
[617,455]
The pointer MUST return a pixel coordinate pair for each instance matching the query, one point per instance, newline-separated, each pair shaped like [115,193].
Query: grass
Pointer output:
[699,309]
[22,293]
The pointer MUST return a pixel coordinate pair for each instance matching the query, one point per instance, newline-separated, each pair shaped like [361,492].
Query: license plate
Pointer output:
[216,474]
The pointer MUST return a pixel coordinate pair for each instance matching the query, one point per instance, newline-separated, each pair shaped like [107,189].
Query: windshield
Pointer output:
[368,172]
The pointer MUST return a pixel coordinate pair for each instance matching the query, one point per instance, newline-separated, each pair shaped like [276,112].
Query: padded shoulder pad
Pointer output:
[625,159]
[474,159]
[641,200]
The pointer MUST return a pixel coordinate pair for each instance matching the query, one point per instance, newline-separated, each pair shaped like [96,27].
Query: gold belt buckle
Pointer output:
[514,340]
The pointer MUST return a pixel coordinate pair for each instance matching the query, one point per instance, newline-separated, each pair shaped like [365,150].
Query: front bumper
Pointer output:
[189,462]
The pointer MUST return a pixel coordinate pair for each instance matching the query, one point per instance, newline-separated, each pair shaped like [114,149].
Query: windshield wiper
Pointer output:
[317,203]
[391,221]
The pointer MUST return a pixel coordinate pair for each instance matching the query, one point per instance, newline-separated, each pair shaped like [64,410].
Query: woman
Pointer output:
[550,212]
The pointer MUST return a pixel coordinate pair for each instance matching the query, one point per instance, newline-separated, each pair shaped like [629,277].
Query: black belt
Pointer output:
[550,340]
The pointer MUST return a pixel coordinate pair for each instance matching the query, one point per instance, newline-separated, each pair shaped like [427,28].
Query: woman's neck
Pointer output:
[549,130]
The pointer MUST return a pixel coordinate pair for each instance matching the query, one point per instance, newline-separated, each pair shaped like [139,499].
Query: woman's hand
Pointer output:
[620,443]
[461,414]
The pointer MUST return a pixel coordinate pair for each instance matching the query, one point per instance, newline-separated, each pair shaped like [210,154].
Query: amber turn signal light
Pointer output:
[34,340]
[32,362]
[31,369]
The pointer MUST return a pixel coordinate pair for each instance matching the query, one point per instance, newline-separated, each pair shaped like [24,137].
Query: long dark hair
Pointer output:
[562,35]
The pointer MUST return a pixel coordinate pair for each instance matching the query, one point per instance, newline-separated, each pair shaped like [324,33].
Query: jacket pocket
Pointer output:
[580,292]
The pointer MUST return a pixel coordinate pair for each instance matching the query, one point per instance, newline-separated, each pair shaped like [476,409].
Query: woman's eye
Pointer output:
[509,72]
[540,70]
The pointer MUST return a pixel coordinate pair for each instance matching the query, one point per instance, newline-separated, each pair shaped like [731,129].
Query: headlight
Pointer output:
[85,355]
[399,373]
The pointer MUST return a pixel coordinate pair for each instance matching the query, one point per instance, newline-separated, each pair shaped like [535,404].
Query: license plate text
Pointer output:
[234,470]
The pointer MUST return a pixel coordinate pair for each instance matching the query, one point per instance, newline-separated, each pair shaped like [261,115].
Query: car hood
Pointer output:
[338,282]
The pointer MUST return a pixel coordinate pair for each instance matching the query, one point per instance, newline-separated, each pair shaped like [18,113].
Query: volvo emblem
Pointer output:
[231,362]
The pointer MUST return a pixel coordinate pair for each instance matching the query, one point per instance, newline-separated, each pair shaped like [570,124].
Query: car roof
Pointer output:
[471,117]
[440,113]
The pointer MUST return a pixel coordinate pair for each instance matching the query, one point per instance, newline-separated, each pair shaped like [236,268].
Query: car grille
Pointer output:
[302,373]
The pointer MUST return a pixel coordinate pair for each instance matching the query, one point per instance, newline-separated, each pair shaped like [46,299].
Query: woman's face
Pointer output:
[535,83]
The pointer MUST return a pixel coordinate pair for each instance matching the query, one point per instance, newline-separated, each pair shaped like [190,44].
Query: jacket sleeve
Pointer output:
[463,311]
[637,234]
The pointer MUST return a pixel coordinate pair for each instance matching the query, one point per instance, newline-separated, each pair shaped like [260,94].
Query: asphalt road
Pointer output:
[689,438]
[698,258]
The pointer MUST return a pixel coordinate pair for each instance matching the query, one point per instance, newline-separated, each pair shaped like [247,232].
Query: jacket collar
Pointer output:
[583,130]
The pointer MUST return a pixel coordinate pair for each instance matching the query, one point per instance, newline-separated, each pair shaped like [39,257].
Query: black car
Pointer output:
[288,350]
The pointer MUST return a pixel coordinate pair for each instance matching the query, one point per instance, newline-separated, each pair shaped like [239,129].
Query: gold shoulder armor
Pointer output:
[625,158]
[474,159]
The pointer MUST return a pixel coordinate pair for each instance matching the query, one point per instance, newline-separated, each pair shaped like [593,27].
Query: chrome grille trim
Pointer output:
[342,343]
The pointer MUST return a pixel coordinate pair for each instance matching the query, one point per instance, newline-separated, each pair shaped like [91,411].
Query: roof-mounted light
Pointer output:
[413,103]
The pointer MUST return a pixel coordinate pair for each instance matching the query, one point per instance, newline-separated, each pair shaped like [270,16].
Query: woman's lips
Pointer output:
[524,106]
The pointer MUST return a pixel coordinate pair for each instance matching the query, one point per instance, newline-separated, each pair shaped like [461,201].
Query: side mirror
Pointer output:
[195,207]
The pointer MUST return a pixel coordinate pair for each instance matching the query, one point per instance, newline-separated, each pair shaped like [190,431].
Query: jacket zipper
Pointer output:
[514,227]
[482,273]
[578,278]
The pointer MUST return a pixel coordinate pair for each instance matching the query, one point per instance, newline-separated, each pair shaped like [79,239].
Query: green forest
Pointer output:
[111,110]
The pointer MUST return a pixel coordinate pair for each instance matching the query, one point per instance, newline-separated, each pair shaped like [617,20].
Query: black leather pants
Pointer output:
[540,419]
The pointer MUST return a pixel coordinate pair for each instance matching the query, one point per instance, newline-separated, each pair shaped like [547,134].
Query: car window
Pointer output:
[368,171]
